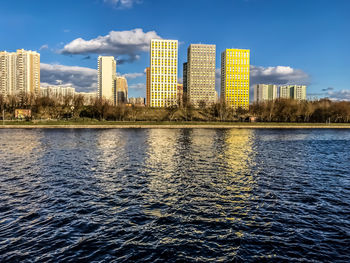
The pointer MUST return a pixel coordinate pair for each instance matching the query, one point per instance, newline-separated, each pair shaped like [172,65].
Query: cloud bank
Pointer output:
[128,44]
[121,4]
[278,75]
[81,78]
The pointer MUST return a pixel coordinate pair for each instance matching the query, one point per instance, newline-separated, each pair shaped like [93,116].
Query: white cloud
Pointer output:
[117,43]
[81,78]
[133,75]
[277,75]
[46,46]
[339,95]
[138,86]
[123,3]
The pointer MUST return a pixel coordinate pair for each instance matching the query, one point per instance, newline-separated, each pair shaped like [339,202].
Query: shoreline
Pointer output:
[176,126]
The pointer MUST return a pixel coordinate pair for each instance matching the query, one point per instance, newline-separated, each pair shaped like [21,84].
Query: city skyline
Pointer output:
[311,51]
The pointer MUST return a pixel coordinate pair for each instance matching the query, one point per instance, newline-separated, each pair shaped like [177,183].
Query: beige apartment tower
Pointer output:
[20,73]
[201,74]
[122,90]
[163,61]
[265,92]
[107,68]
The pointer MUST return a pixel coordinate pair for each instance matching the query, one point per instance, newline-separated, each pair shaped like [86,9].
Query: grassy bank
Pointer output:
[165,124]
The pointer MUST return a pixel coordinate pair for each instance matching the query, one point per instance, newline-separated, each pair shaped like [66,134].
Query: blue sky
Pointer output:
[299,41]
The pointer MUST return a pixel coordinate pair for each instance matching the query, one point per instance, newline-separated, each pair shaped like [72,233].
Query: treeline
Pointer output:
[281,110]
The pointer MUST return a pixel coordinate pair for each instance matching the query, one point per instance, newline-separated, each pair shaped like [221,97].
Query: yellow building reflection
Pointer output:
[239,156]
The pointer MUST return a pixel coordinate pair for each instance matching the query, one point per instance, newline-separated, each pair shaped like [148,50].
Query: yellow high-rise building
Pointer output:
[235,77]
[164,54]
[148,86]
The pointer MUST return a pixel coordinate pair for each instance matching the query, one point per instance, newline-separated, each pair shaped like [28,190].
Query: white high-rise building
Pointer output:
[19,73]
[265,92]
[201,74]
[107,68]
[164,54]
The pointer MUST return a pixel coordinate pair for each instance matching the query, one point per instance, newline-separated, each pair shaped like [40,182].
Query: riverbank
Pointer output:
[165,125]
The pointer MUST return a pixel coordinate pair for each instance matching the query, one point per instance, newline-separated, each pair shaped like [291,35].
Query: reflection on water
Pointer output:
[172,195]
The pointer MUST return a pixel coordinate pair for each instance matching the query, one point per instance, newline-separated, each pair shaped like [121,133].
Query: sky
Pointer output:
[290,41]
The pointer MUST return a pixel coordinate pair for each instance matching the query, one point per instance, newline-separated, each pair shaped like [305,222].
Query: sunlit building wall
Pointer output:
[180,94]
[148,86]
[20,73]
[107,67]
[265,92]
[164,56]
[297,92]
[122,90]
[201,74]
[57,91]
[89,97]
[235,77]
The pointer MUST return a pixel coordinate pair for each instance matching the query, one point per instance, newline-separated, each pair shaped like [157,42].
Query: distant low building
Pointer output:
[57,91]
[265,92]
[137,101]
[297,92]
[89,97]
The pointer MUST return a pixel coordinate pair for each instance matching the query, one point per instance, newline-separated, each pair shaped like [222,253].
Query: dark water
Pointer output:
[174,195]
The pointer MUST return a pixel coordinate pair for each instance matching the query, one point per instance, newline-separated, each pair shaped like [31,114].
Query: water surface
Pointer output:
[154,195]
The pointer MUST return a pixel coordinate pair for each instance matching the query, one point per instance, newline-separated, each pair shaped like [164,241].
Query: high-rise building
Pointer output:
[297,92]
[184,77]
[163,72]
[148,86]
[122,90]
[201,74]
[107,67]
[235,77]
[180,94]
[265,92]
[20,73]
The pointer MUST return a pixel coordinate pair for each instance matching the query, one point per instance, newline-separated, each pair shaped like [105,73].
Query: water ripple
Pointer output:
[186,195]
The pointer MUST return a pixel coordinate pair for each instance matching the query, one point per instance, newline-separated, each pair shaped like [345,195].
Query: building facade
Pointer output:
[296,92]
[107,68]
[163,61]
[148,86]
[235,77]
[184,76]
[201,74]
[58,92]
[265,92]
[137,101]
[89,97]
[20,73]
[180,94]
[122,90]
